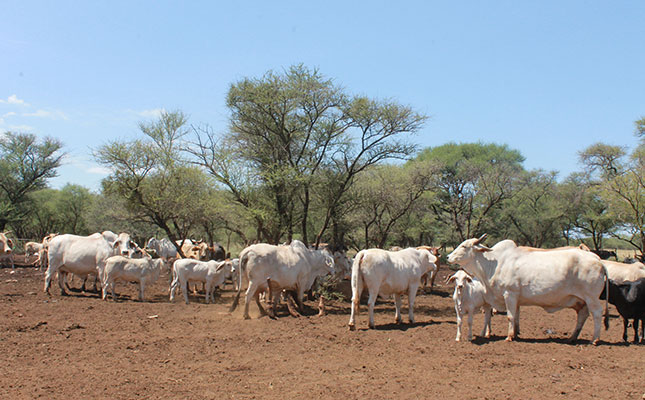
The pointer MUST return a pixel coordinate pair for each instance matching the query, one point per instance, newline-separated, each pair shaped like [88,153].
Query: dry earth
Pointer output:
[82,347]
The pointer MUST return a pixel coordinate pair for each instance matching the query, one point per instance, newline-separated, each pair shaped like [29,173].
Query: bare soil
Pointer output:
[79,346]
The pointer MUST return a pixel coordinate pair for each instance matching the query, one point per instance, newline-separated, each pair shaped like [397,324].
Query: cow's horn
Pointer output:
[481,238]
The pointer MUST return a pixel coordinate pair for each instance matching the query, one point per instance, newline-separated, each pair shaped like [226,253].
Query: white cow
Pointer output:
[211,273]
[83,255]
[42,254]
[621,273]
[6,252]
[469,297]
[551,279]
[32,248]
[389,273]
[118,268]
[292,267]
[164,248]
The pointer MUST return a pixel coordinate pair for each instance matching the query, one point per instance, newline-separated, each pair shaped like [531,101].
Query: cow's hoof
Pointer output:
[371,326]
[596,342]
[397,321]
[352,327]
[509,338]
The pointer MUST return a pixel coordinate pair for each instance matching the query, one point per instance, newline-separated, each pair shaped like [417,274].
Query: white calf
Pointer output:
[469,296]
[212,273]
[142,270]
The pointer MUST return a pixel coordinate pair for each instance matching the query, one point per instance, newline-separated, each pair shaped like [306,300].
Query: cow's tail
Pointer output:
[357,276]
[606,317]
[242,266]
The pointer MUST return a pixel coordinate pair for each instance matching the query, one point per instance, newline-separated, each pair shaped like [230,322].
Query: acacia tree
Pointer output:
[293,136]
[384,196]
[154,180]
[26,163]
[621,183]
[586,210]
[473,181]
[534,215]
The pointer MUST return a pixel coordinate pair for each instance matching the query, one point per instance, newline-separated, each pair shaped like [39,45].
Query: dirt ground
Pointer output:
[82,347]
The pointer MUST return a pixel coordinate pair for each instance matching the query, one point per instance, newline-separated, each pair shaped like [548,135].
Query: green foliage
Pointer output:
[534,215]
[305,141]
[621,184]
[26,163]
[471,184]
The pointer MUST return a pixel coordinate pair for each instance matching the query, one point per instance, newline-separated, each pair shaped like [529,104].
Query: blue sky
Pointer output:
[546,78]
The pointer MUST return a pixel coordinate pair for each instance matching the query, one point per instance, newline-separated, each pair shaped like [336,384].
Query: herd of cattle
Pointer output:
[499,278]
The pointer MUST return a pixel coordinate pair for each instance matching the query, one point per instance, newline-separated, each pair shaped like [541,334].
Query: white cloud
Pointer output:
[20,128]
[84,164]
[99,170]
[153,113]
[9,114]
[47,114]
[13,99]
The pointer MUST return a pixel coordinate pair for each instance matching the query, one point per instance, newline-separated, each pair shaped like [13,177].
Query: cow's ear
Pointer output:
[221,265]
[468,278]
[9,242]
[633,292]
[115,245]
[451,279]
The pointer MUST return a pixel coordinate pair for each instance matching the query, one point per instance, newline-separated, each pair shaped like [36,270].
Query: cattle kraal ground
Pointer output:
[82,347]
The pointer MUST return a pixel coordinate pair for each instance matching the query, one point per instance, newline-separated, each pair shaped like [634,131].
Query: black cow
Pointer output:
[605,254]
[629,299]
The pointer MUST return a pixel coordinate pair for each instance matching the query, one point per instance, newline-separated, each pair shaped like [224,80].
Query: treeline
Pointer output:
[302,158]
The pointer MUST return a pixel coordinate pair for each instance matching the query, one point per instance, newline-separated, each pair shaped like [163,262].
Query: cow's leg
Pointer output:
[84,282]
[96,283]
[517,322]
[397,309]
[371,303]
[642,329]
[635,325]
[583,313]
[291,304]
[184,288]
[511,313]
[300,298]
[356,300]
[250,293]
[487,315]
[173,287]
[459,321]
[595,307]
[263,312]
[412,295]
[208,287]
[271,300]
[61,279]
[471,312]
[112,284]
[142,287]
[48,280]
[432,278]
[104,290]
[625,325]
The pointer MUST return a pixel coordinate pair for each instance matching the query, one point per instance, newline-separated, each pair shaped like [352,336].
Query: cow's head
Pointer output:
[467,250]
[329,263]
[5,244]
[342,264]
[459,278]
[123,245]
[152,243]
